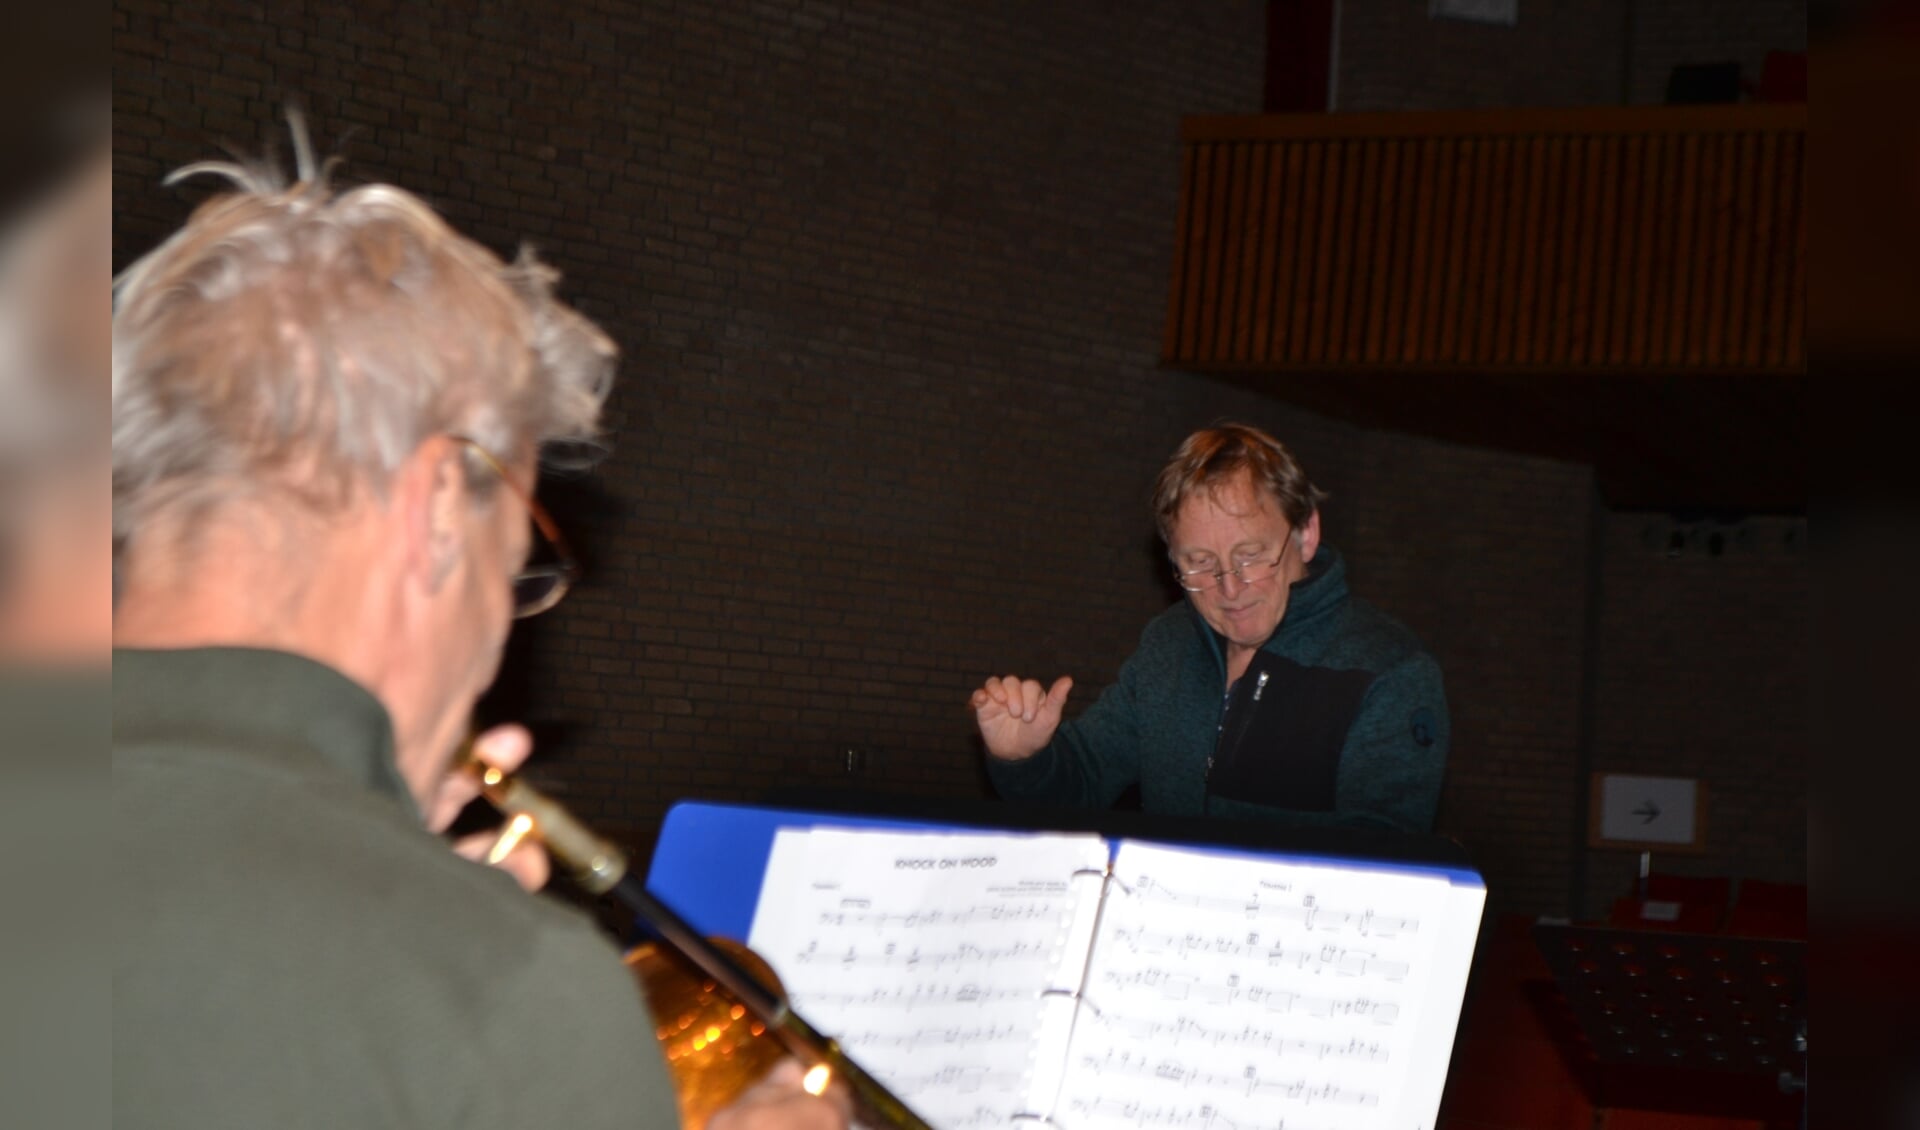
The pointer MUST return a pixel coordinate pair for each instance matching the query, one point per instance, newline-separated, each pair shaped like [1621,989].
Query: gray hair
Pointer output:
[297,339]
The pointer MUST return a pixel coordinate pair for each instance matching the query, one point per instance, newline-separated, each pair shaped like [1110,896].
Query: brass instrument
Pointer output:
[714,1003]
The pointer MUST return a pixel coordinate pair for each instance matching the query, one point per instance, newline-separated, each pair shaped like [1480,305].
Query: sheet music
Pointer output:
[1228,992]
[931,957]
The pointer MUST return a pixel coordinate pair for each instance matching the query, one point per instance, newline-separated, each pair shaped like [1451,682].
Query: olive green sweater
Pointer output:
[293,948]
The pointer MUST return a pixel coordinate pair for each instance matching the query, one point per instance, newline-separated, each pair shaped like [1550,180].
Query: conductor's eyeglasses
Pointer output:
[1249,572]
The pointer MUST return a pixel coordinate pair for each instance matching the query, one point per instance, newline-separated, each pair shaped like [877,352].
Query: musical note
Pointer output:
[1307,910]
[1182,1030]
[1174,1116]
[965,954]
[978,1116]
[913,920]
[1206,1116]
[1186,1075]
[1247,1081]
[1324,959]
[958,1080]
[906,998]
[883,1037]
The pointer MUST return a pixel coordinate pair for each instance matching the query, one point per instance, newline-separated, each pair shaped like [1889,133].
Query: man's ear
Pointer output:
[1309,537]
[430,492]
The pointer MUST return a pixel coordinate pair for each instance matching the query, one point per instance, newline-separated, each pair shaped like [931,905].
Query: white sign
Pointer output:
[1649,810]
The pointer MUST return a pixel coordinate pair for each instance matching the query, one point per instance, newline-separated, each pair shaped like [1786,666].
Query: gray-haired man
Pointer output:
[327,411]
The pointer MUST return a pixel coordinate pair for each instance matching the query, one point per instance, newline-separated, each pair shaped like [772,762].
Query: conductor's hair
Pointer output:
[1213,457]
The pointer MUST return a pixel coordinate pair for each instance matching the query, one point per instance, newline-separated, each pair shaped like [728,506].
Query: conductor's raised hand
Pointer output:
[1017,717]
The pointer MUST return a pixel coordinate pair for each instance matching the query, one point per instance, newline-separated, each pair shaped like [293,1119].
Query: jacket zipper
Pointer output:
[1244,720]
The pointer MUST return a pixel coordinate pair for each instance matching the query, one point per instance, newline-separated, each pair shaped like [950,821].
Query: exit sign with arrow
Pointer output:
[1647,812]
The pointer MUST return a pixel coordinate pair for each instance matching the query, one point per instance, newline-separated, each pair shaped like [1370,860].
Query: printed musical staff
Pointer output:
[912,956]
[1320,959]
[914,920]
[1176,1071]
[1271,1000]
[1227,992]
[906,998]
[930,958]
[1170,1116]
[933,1036]
[1097,1112]
[949,1089]
[1248,1082]
[1277,905]
[1182,1031]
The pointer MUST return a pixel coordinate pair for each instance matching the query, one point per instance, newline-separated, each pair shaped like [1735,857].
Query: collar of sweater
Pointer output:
[263,702]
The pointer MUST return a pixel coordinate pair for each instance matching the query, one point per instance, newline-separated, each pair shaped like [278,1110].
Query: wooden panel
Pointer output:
[1657,238]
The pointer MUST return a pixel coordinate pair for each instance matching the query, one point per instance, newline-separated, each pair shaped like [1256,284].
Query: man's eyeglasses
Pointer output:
[536,588]
[1249,572]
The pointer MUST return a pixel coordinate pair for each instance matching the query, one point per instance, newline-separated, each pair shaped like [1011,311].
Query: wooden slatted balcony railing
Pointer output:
[1655,239]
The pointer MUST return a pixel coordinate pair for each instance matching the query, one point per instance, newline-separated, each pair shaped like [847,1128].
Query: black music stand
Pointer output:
[1689,1023]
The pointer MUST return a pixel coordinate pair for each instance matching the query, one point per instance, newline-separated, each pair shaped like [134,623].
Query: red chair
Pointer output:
[1769,910]
[1631,913]
[1694,890]
[1685,904]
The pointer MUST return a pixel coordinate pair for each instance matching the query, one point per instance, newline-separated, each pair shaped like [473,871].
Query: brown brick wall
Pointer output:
[1672,32]
[1392,56]
[889,280]
[1704,673]
[1484,554]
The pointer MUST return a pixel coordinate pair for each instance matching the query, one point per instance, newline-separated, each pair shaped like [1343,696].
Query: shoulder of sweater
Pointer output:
[435,879]
[1174,632]
[338,845]
[1171,642]
[510,943]
[1176,617]
[1371,639]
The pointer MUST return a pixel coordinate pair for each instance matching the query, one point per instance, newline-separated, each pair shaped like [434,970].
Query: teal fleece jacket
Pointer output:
[1341,719]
